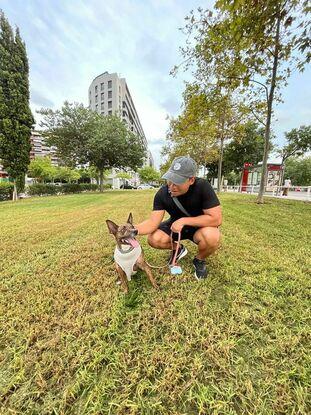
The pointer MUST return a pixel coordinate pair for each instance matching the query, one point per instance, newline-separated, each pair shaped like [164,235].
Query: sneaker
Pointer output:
[182,251]
[200,269]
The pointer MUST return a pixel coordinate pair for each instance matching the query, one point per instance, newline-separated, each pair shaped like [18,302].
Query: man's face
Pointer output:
[180,189]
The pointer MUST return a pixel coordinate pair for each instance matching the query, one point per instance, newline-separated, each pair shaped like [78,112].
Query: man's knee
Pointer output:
[208,236]
[157,239]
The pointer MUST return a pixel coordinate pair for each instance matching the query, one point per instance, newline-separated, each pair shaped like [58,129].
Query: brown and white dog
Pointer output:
[128,254]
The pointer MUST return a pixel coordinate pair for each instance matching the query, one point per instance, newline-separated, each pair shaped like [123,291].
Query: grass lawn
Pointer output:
[72,343]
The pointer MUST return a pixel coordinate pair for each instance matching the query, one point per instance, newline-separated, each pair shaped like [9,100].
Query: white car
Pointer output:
[144,186]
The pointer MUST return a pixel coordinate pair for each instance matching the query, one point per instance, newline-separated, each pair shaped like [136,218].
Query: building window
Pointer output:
[102,106]
[102,86]
[102,96]
[96,89]
[109,84]
[109,94]
[109,104]
[96,107]
[96,98]
[109,112]
[90,102]
[102,112]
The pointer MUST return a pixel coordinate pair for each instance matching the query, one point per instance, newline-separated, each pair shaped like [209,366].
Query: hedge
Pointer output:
[6,191]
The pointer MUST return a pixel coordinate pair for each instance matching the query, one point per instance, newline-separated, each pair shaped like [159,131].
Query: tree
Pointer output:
[148,174]
[16,119]
[66,174]
[124,176]
[83,136]
[41,169]
[299,171]
[253,47]
[114,145]
[209,119]
[298,142]
[247,148]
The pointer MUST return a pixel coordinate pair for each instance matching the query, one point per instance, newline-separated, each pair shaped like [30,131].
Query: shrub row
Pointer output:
[40,189]
[6,191]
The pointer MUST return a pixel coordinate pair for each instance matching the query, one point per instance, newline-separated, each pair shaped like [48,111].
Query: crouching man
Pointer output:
[194,211]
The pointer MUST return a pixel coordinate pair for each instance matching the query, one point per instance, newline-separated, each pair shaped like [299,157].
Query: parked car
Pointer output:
[127,186]
[144,186]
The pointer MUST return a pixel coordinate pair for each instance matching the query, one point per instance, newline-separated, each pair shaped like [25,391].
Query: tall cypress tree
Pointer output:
[16,119]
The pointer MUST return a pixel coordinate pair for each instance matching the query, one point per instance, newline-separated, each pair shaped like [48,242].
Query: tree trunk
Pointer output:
[14,196]
[219,183]
[101,180]
[269,114]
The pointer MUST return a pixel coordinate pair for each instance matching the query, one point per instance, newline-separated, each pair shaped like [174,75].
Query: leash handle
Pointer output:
[177,247]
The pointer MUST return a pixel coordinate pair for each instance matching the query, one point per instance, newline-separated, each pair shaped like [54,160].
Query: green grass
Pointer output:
[72,343]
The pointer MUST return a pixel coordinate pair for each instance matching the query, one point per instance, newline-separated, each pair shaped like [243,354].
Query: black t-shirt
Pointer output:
[200,196]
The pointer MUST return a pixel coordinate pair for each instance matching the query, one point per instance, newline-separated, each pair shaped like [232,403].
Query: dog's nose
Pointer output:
[135,232]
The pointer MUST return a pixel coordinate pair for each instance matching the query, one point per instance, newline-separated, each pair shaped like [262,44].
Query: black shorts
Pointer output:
[187,232]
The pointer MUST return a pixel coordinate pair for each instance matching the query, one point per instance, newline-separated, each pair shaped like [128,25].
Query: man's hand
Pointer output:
[178,225]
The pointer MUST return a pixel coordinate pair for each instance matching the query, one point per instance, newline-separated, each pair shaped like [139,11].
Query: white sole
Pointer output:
[183,254]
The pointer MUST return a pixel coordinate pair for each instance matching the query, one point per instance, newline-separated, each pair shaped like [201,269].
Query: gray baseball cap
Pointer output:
[181,169]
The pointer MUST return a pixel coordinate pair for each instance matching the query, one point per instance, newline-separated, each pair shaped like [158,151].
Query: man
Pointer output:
[198,199]
[287,185]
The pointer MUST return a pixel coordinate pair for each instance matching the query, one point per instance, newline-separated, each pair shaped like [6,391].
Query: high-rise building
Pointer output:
[109,94]
[40,149]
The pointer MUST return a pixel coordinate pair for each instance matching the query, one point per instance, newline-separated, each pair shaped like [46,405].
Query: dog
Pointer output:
[128,254]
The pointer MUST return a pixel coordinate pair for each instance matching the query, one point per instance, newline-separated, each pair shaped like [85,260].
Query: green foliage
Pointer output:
[249,47]
[148,174]
[123,175]
[6,191]
[298,142]
[299,171]
[42,189]
[16,119]
[41,169]
[84,136]
[67,174]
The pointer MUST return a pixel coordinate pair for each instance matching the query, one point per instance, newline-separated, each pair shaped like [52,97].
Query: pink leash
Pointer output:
[175,269]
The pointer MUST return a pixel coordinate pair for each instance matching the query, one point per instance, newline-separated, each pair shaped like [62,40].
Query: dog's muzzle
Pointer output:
[135,232]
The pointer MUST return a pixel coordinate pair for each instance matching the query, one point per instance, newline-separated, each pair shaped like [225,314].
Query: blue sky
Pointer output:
[70,42]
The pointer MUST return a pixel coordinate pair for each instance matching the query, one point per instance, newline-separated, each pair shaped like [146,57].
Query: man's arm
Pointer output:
[212,217]
[151,224]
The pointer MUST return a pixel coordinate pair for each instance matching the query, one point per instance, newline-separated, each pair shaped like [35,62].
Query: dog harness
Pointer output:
[127,260]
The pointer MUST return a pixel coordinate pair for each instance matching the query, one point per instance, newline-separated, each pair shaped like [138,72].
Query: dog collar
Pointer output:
[125,251]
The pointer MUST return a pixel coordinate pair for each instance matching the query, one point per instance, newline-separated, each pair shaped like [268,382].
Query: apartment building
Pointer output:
[40,149]
[108,94]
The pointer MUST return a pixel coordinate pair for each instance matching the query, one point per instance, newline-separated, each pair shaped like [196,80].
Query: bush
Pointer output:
[107,186]
[70,188]
[88,187]
[6,191]
[41,189]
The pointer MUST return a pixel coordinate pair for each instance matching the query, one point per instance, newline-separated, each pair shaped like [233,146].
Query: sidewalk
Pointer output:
[304,194]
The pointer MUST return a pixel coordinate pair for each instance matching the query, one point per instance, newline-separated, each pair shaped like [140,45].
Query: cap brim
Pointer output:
[175,178]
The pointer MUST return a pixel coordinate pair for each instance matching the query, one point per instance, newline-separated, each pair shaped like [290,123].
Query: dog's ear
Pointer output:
[113,227]
[130,219]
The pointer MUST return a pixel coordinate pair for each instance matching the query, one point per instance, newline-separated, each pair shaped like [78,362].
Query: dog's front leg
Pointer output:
[123,278]
[145,267]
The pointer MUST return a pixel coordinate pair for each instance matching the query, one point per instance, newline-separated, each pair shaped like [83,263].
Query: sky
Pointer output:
[70,42]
